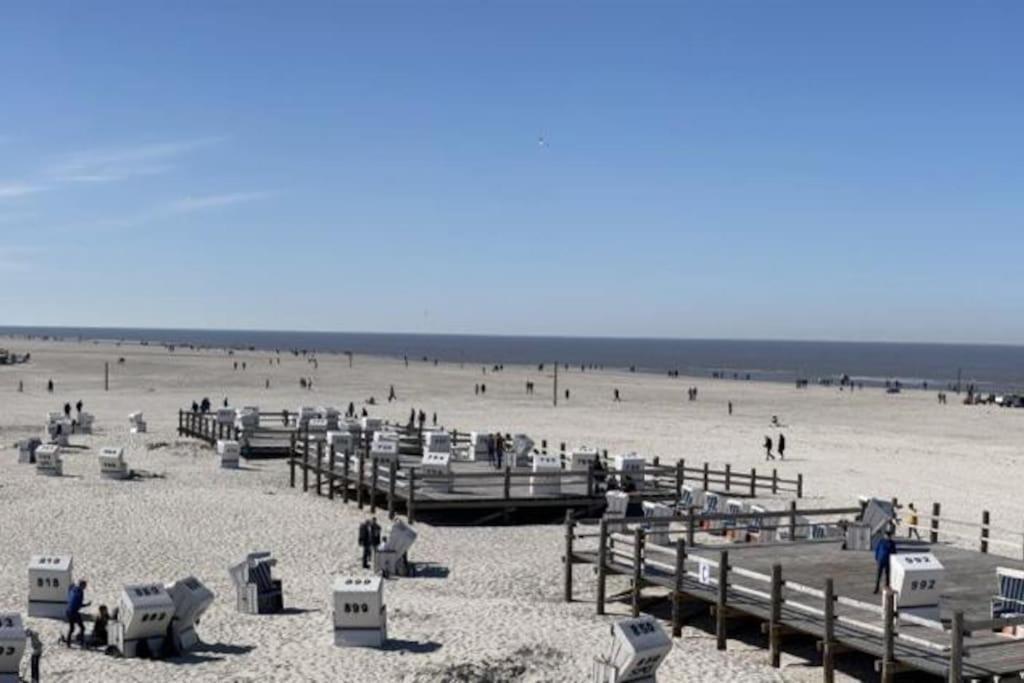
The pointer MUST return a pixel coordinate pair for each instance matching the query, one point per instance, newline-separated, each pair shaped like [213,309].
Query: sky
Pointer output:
[720,169]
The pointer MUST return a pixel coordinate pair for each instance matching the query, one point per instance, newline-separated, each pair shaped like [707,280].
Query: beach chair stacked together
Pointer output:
[12,646]
[256,591]
[639,646]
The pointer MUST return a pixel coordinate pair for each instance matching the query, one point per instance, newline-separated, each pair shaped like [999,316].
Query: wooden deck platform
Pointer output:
[818,589]
[475,492]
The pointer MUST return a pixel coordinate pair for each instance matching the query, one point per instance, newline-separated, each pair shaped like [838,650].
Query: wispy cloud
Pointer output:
[108,165]
[16,259]
[213,201]
[10,190]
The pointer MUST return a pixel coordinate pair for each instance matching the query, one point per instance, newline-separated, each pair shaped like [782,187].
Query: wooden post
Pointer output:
[106,376]
[720,603]
[570,527]
[508,481]
[753,482]
[638,568]
[602,560]
[775,481]
[792,520]
[956,648]
[319,468]
[984,531]
[775,618]
[330,472]
[291,460]
[679,481]
[346,464]
[361,474]
[888,637]
[933,531]
[392,473]
[691,524]
[374,477]
[305,463]
[410,509]
[799,486]
[590,479]
[677,594]
[728,477]
[706,477]
[828,650]
[555,395]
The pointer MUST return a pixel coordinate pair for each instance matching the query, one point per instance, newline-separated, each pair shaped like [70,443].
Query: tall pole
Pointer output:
[556,384]
[106,376]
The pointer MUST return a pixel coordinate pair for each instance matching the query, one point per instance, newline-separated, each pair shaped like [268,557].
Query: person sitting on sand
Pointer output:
[99,628]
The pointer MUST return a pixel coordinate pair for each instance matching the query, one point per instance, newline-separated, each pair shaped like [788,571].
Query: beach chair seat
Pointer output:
[1010,601]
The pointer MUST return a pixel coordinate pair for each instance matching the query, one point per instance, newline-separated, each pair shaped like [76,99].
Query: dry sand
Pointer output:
[498,614]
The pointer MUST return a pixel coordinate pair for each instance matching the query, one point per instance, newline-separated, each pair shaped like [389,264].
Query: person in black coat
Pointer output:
[364,543]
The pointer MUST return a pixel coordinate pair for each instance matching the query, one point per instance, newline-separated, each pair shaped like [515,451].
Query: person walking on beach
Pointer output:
[391,394]
[67,410]
[884,551]
[76,601]
[374,533]
[364,542]
[499,450]
[36,646]
[768,448]
[617,398]
[78,407]
[782,446]
[912,522]
[730,407]
[49,386]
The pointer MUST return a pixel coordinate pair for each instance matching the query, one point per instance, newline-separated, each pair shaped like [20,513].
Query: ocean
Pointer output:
[988,367]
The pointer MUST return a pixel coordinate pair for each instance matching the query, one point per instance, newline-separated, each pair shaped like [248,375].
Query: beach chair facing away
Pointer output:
[191,599]
[12,646]
[49,578]
[639,646]
[391,558]
[256,591]
[112,464]
[360,617]
[617,503]
[1010,600]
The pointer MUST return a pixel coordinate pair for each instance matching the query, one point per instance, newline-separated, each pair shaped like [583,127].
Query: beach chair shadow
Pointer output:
[223,649]
[430,570]
[411,646]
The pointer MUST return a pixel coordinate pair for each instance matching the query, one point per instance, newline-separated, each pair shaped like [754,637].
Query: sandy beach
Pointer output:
[496,612]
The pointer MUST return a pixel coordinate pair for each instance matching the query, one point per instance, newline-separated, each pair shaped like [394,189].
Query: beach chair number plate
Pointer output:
[704,573]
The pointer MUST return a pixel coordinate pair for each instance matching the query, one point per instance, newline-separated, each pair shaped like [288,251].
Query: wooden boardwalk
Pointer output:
[814,588]
[475,492]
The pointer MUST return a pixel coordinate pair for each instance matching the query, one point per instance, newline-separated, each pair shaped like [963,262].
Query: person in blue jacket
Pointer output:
[884,551]
[76,601]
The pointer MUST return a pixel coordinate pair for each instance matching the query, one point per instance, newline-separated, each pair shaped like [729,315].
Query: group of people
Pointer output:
[691,393]
[780,447]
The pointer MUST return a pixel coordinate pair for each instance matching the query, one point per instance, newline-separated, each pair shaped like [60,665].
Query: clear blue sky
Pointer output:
[754,169]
